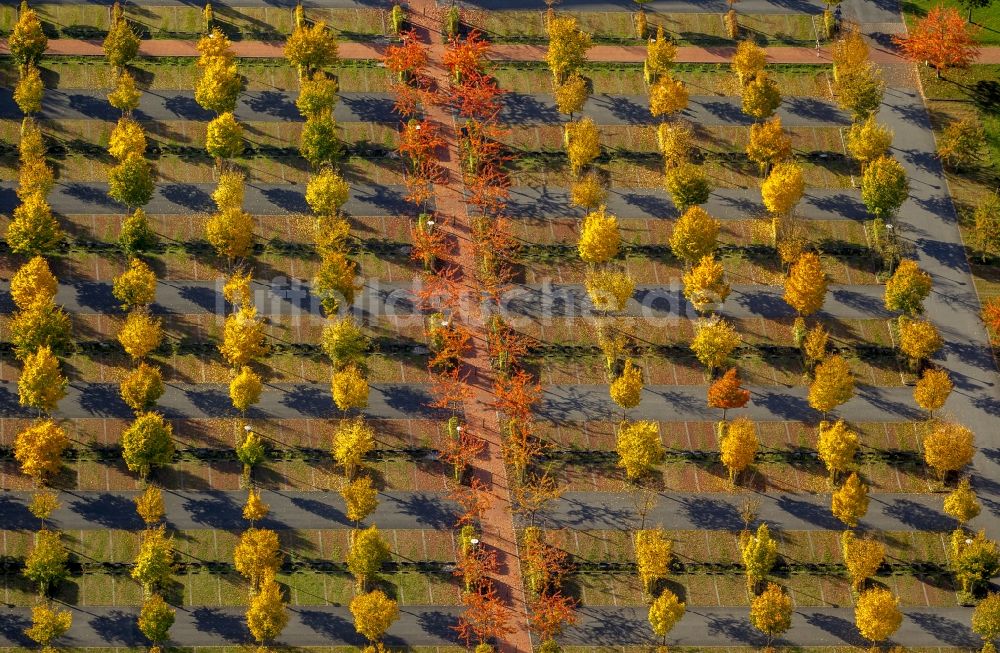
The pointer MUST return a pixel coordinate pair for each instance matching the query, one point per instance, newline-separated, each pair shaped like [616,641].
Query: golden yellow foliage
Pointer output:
[805,285]
[599,237]
[230,232]
[771,611]
[257,556]
[326,192]
[373,613]
[918,339]
[932,390]
[127,138]
[850,503]
[768,143]
[572,94]
[748,60]
[48,624]
[39,448]
[877,614]
[228,193]
[653,550]
[349,388]
[243,337]
[583,143]
[135,286]
[588,192]
[836,446]
[352,441]
[868,140]
[948,447]
[705,284]
[140,334]
[667,96]
[861,556]
[609,290]
[33,284]
[833,384]
[149,505]
[665,612]
[245,389]
[639,448]
[626,390]
[41,384]
[255,509]
[267,615]
[237,289]
[360,498]
[783,188]
[961,503]
[714,340]
[674,140]
[738,446]
[695,235]
[568,46]
[142,387]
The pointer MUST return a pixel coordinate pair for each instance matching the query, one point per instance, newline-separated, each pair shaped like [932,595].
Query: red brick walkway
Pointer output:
[480,414]
[607,53]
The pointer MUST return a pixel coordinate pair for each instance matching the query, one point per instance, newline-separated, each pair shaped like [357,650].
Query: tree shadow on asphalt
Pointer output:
[118,628]
[105,509]
[333,627]
[837,626]
[12,627]
[945,629]
[229,627]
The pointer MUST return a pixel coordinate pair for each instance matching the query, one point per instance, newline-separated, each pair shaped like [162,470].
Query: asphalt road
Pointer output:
[519,108]
[661,304]
[206,400]
[927,222]
[432,626]
[252,106]
[559,403]
[190,510]
[650,203]
[787,511]
[605,109]
[617,626]
[212,626]
[91,198]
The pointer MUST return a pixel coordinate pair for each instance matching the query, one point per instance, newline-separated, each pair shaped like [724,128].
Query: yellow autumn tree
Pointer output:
[771,612]
[695,235]
[783,188]
[660,55]
[705,284]
[768,143]
[360,498]
[759,552]
[311,47]
[33,284]
[135,286]
[48,624]
[653,550]
[738,446]
[572,94]
[961,503]
[349,388]
[142,387]
[140,334]
[932,390]
[862,557]
[257,555]
[583,143]
[588,192]
[373,614]
[868,140]
[850,503]
[38,449]
[267,615]
[255,509]
[877,614]
[714,340]
[918,339]
[599,237]
[748,60]
[127,138]
[237,289]
[41,383]
[245,389]
[674,140]
[640,448]
[805,285]
[667,96]
[149,505]
[568,46]
[327,192]
[230,232]
[907,288]
[761,97]
[609,290]
[948,447]
[230,189]
[626,390]
[352,441]
[836,445]
[833,384]
[243,337]
[664,613]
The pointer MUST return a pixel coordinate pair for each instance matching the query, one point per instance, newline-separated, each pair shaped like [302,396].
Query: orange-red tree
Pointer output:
[943,39]
[485,617]
[550,613]
[727,393]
